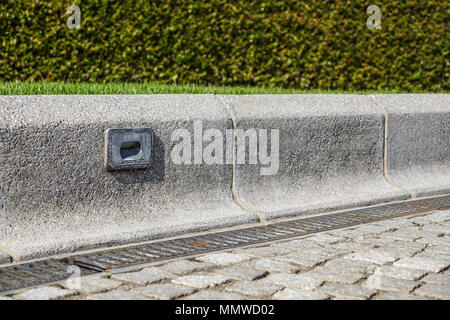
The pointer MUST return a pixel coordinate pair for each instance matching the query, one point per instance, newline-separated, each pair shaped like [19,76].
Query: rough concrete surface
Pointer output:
[418,147]
[56,195]
[331,153]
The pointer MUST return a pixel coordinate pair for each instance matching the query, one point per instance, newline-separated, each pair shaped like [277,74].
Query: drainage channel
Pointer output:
[20,276]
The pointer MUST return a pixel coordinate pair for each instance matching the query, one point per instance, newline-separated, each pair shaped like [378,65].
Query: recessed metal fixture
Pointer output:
[129,148]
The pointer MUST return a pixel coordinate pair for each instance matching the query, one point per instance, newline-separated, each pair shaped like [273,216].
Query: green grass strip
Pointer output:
[47,88]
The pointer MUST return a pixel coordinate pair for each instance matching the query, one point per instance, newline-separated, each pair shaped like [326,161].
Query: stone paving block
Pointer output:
[118,294]
[435,240]
[436,217]
[202,281]
[242,273]
[330,251]
[399,251]
[165,291]
[299,244]
[374,228]
[91,285]
[440,249]
[400,273]
[401,235]
[324,238]
[347,233]
[215,295]
[303,258]
[271,265]
[351,265]
[434,255]
[411,228]
[438,228]
[268,251]
[299,294]
[347,298]
[437,278]
[366,236]
[325,273]
[440,215]
[434,290]
[258,288]
[418,221]
[186,266]
[145,276]
[421,264]
[312,257]
[430,233]
[399,296]
[444,224]
[350,291]
[381,282]
[403,246]
[223,258]
[374,256]
[290,280]
[373,242]
[351,246]
[108,284]
[409,244]
[399,223]
[44,293]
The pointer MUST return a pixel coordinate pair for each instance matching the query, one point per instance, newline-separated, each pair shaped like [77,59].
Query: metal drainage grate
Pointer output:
[35,273]
[48,271]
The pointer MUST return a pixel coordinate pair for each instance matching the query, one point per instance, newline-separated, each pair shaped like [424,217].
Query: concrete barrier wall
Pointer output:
[334,151]
[418,141]
[331,154]
[57,195]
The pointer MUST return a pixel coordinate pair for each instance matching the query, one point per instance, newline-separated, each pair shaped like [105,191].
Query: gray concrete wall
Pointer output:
[418,141]
[56,195]
[331,154]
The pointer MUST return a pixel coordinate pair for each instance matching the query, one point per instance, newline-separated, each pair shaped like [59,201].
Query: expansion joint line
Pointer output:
[386,146]
[14,256]
[236,198]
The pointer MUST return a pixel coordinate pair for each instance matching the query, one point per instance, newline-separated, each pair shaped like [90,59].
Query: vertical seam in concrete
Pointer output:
[260,215]
[14,256]
[385,149]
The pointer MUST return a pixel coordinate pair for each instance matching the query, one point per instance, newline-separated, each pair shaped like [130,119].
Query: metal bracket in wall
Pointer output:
[129,148]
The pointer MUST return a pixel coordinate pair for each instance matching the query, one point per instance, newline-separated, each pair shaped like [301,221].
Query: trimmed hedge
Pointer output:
[316,44]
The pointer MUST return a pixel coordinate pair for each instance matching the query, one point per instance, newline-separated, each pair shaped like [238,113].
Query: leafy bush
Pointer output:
[320,44]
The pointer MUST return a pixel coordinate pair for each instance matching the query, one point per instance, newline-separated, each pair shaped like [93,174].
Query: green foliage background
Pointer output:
[316,44]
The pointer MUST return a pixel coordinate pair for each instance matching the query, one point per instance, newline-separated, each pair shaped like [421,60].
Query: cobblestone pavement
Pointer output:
[401,258]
